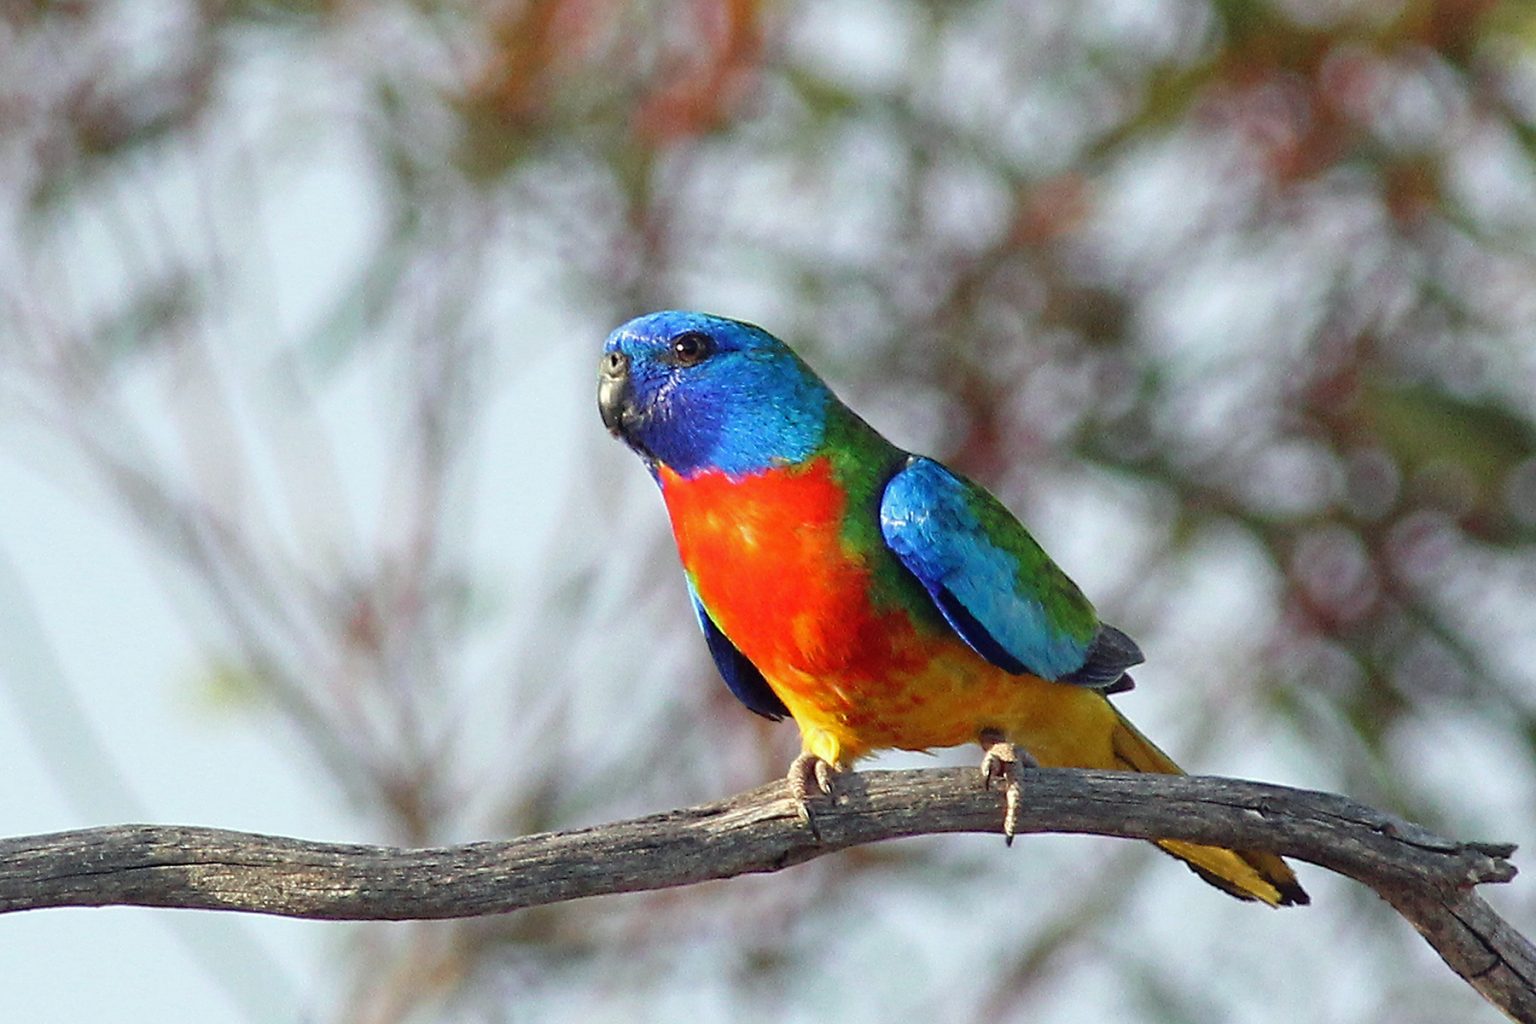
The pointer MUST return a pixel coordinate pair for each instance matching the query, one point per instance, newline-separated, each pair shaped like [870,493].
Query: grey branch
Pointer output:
[1428,879]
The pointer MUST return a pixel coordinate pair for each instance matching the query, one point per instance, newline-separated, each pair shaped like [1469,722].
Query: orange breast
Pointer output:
[767,557]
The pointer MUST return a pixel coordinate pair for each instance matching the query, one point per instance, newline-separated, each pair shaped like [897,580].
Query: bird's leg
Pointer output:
[808,775]
[1002,763]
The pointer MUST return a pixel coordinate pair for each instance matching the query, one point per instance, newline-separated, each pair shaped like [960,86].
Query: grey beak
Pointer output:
[613,390]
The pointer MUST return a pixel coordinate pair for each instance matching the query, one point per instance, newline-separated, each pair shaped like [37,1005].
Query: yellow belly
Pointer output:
[946,702]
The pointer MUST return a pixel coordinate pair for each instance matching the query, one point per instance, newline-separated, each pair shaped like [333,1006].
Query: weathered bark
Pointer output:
[1428,879]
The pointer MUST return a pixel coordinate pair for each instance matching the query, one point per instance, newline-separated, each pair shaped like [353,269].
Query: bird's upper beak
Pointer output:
[613,390]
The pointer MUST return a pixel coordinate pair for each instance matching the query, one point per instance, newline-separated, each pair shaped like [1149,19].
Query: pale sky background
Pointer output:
[106,713]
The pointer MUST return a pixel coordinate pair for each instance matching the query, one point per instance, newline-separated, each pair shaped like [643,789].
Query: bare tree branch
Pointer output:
[1428,879]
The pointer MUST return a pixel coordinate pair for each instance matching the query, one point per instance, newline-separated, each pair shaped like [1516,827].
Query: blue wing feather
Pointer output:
[740,675]
[975,573]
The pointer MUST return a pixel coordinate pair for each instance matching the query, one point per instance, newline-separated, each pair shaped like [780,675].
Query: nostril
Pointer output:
[614,362]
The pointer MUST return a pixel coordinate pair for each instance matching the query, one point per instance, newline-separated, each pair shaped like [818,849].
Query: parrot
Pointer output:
[875,597]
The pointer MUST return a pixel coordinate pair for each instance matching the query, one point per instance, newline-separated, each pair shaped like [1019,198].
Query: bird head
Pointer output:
[697,392]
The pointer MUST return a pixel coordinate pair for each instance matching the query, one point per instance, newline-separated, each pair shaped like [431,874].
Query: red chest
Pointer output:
[769,559]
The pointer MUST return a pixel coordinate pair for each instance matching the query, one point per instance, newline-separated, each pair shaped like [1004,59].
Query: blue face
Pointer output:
[698,392]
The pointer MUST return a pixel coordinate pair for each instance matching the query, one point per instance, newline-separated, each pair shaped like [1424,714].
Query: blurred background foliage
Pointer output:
[1232,301]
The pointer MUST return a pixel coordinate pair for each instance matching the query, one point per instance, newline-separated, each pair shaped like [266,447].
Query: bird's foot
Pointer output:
[809,776]
[1003,762]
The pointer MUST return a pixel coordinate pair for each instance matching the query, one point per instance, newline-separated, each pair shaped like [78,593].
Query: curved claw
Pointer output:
[1003,762]
[809,775]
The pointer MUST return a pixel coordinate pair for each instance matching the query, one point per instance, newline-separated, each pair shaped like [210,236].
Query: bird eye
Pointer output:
[691,347]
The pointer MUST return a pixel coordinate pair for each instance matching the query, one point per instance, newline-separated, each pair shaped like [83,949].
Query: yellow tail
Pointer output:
[1246,874]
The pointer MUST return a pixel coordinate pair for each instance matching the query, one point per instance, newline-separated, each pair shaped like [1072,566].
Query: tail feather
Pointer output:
[1246,874]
